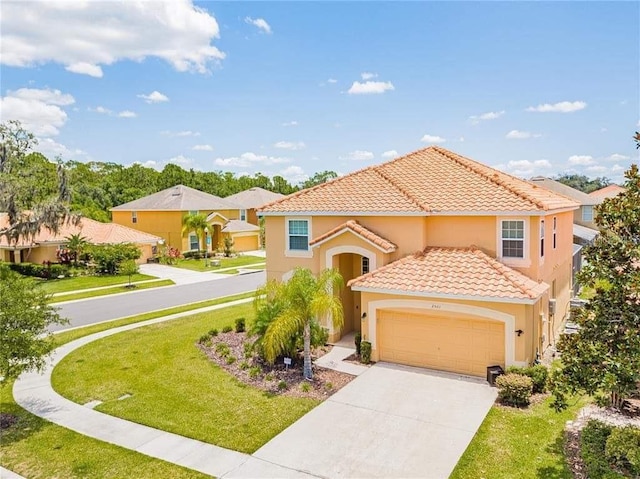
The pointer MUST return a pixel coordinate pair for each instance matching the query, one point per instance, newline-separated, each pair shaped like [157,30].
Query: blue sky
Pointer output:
[293,88]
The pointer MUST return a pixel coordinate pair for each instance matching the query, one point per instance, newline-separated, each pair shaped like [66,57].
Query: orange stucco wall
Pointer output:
[245,243]
[462,232]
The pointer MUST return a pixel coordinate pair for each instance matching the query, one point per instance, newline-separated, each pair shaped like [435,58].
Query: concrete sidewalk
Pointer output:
[179,275]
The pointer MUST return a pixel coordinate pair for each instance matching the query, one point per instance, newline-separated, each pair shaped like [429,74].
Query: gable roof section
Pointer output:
[428,181]
[178,198]
[564,190]
[608,191]
[239,226]
[464,273]
[94,231]
[254,197]
[356,228]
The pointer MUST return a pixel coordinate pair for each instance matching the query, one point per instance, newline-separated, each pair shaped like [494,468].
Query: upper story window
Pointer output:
[193,242]
[587,213]
[512,238]
[555,228]
[243,215]
[134,216]
[365,265]
[298,232]
[542,238]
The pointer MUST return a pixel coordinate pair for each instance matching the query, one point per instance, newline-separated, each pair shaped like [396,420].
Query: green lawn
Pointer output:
[113,290]
[36,448]
[174,387]
[199,264]
[236,270]
[518,443]
[85,282]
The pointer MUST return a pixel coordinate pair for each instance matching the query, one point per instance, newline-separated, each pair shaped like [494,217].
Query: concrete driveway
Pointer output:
[391,421]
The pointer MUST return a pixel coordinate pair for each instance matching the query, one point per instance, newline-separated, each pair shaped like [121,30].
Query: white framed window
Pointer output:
[298,235]
[134,216]
[193,242]
[365,265]
[512,239]
[243,215]
[555,229]
[542,238]
[587,213]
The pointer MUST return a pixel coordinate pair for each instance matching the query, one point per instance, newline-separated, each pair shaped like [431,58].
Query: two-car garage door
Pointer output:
[451,343]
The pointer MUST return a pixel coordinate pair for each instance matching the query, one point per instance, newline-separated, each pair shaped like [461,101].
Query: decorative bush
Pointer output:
[623,449]
[203,339]
[231,359]
[227,329]
[244,365]
[305,387]
[593,440]
[240,325]
[365,352]
[282,385]
[228,246]
[514,389]
[254,372]
[358,340]
[109,256]
[539,375]
[213,333]
[223,349]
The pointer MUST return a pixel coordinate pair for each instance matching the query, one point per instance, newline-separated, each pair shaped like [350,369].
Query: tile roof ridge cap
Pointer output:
[402,191]
[476,167]
[507,272]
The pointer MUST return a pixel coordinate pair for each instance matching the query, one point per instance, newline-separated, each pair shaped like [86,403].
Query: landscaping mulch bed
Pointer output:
[7,420]
[250,369]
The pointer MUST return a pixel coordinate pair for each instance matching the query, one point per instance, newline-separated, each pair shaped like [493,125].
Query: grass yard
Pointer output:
[260,267]
[85,282]
[518,443]
[113,290]
[174,387]
[199,264]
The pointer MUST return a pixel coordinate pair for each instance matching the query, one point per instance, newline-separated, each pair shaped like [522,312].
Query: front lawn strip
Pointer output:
[522,443]
[174,387]
[199,264]
[78,283]
[116,289]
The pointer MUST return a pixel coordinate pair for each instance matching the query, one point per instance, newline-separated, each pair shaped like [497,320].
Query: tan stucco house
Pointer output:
[252,199]
[449,264]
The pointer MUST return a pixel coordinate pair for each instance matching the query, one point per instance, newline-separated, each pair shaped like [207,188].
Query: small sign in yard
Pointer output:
[287,363]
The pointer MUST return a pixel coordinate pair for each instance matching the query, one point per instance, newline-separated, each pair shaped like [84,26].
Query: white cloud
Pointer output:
[290,123]
[358,155]
[617,157]
[180,160]
[180,133]
[560,107]
[248,159]
[102,110]
[294,174]
[580,160]
[104,33]
[526,167]
[368,76]
[332,80]
[127,114]
[390,154]
[596,169]
[203,148]
[521,135]
[370,87]
[490,115]
[154,97]
[39,110]
[52,149]
[432,139]
[261,23]
[461,139]
[616,168]
[290,145]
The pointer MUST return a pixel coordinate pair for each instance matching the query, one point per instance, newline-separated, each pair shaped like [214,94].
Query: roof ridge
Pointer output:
[398,187]
[501,268]
[478,169]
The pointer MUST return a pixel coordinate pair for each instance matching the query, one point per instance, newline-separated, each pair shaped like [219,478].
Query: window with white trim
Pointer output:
[134,216]
[243,215]
[555,226]
[298,231]
[365,265]
[194,244]
[587,213]
[542,238]
[512,238]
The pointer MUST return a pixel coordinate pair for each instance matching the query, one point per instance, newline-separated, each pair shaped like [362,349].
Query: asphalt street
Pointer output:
[90,311]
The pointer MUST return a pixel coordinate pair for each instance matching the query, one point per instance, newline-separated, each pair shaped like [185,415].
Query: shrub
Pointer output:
[223,349]
[29,269]
[270,377]
[240,325]
[56,270]
[248,350]
[358,340]
[514,389]
[203,339]
[228,246]
[109,256]
[254,372]
[244,365]
[623,449]
[365,352]
[592,446]
[282,385]
[231,359]
[539,375]
[213,333]
[227,329]
[305,387]
[328,386]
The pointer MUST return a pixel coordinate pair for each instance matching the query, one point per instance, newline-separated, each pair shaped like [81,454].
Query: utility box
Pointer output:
[492,374]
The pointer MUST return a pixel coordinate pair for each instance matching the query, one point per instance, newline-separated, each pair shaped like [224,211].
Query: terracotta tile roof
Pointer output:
[565,190]
[608,191]
[432,180]
[178,198]
[452,272]
[254,197]
[239,226]
[94,231]
[383,244]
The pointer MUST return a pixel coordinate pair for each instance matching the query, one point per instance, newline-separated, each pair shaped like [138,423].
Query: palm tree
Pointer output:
[196,223]
[76,244]
[302,300]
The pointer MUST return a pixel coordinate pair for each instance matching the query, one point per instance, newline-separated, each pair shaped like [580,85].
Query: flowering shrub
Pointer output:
[169,255]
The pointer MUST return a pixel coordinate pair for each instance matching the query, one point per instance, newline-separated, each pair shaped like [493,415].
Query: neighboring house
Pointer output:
[45,245]
[245,235]
[585,229]
[608,191]
[252,199]
[162,213]
[449,264]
